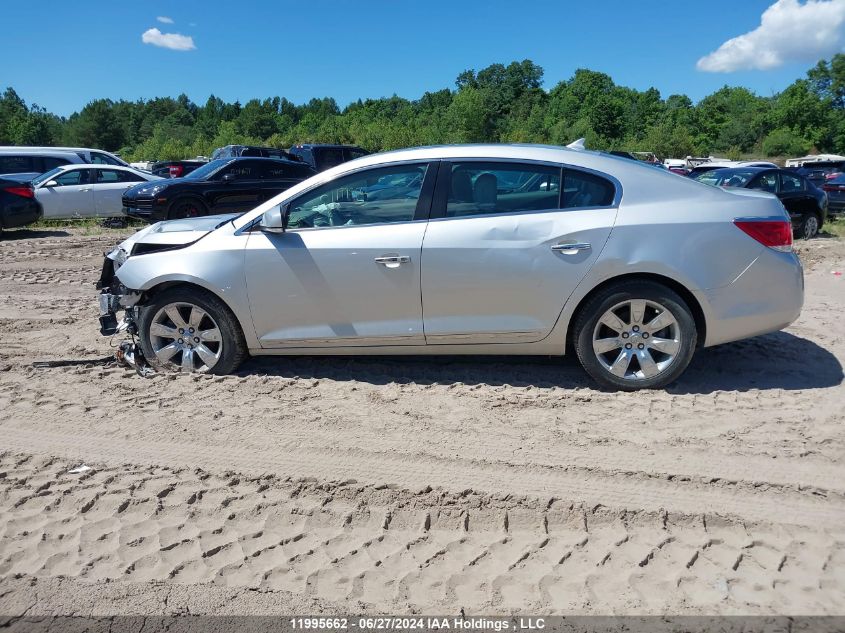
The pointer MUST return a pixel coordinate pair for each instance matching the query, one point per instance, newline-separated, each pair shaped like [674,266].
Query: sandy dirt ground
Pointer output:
[426,485]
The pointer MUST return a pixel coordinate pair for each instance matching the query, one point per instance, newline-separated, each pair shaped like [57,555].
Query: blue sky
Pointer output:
[62,55]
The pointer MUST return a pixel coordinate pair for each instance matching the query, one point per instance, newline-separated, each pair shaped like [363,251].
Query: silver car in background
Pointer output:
[477,249]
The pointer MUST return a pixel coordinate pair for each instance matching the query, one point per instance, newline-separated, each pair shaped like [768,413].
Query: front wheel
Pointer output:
[635,335]
[186,208]
[809,227]
[190,330]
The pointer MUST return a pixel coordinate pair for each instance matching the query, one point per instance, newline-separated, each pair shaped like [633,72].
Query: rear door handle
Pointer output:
[571,249]
[392,261]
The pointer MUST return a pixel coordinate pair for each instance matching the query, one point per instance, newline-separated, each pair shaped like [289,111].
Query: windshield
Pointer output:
[727,177]
[201,173]
[47,175]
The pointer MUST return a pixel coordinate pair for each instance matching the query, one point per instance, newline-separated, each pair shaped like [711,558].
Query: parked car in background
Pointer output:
[256,151]
[23,166]
[226,185]
[175,168]
[322,157]
[835,190]
[821,171]
[806,203]
[706,167]
[87,154]
[480,249]
[86,191]
[18,205]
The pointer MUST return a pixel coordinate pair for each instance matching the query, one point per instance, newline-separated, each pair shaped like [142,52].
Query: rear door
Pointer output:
[507,245]
[71,197]
[795,195]
[109,185]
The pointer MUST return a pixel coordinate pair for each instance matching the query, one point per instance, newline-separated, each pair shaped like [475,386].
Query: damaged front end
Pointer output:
[114,297]
[119,304]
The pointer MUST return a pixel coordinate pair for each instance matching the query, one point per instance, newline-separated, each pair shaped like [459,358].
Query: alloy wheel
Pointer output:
[811,227]
[185,337]
[637,339]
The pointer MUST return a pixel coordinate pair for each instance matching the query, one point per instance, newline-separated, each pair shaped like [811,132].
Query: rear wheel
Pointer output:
[186,208]
[809,227]
[635,335]
[190,330]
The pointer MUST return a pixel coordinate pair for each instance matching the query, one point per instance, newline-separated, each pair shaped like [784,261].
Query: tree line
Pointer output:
[500,103]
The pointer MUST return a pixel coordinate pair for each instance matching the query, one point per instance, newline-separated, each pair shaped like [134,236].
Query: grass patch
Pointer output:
[86,226]
[834,228]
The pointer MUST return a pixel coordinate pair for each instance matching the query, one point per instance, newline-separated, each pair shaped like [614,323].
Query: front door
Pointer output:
[347,270]
[72,195]
[508,248]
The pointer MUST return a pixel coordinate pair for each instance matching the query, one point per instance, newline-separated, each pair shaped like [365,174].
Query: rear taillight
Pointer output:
[24,192]
[776,234]
[176,170]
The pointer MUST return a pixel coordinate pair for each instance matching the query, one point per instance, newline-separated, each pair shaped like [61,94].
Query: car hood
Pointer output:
[168,235]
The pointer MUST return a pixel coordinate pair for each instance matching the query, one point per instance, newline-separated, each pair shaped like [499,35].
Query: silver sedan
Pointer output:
[480,249]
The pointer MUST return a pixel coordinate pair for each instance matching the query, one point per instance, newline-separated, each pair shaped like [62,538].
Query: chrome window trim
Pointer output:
[617,198]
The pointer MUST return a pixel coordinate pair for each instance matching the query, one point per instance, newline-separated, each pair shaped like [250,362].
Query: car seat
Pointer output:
[486,192]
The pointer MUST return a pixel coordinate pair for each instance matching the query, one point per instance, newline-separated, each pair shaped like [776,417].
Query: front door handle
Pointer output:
[84,190]
[571,249]
[392,261]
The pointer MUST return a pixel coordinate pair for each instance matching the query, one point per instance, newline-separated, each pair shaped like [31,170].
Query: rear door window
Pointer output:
[790,183]
[478,188]
[765,182]
[105,176]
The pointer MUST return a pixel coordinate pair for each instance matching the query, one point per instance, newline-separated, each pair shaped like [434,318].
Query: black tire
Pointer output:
[588,318]
[234,350]
[809,226]
[186,207]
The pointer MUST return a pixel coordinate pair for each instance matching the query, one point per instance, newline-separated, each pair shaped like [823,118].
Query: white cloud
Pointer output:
[173,41]
[164,19]
[789,31]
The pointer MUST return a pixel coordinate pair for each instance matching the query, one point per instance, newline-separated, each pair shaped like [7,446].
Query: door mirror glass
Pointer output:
[229,178]
[51,183]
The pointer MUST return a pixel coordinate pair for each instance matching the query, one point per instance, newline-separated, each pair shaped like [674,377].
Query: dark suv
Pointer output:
[820,172]
[255,151]
[225,185]
[322,157]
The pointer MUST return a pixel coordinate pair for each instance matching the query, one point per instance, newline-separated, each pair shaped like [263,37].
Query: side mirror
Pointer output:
[229,178]
[274,220]
[51,183]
